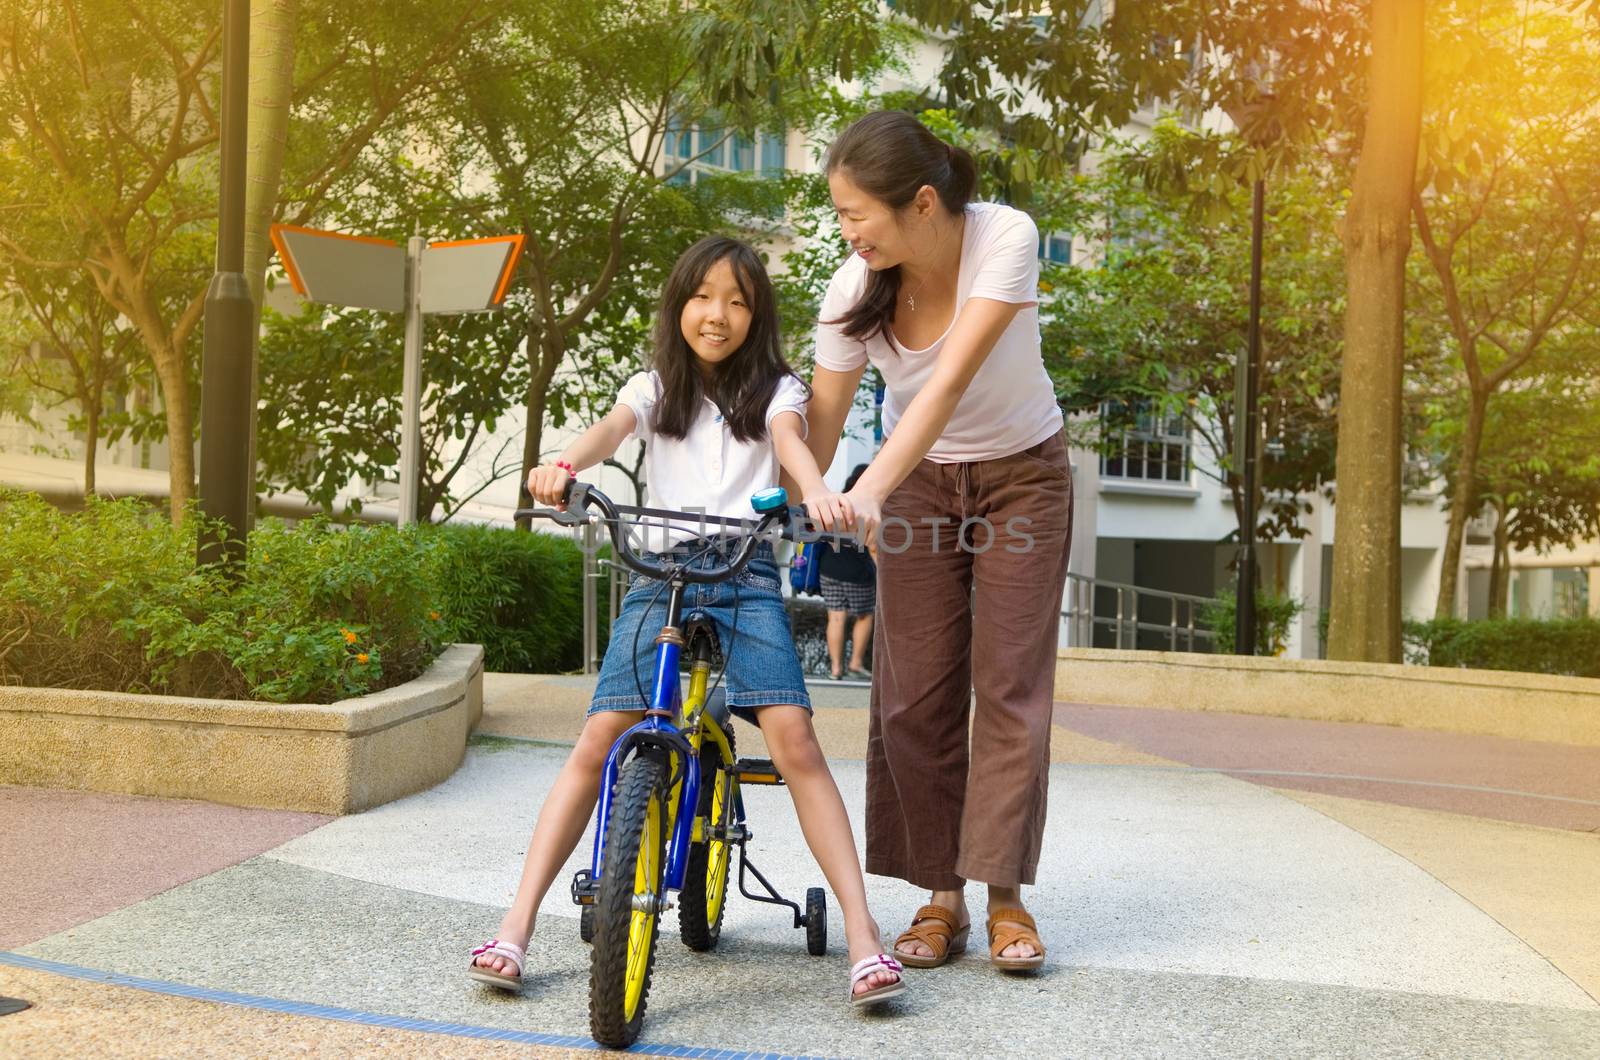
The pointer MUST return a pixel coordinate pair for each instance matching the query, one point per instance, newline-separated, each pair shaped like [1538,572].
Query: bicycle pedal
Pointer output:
[757,771]
[585,888]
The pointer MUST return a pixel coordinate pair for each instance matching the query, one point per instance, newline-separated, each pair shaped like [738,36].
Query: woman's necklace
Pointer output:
[911,299]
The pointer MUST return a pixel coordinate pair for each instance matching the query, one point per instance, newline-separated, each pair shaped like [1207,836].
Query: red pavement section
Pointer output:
[1546,784]
[70,856]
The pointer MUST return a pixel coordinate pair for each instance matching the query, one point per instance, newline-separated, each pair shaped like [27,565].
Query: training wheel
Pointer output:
[586,924]
[816,921]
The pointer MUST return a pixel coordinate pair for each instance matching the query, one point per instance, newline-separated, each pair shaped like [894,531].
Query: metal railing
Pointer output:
[1130,615]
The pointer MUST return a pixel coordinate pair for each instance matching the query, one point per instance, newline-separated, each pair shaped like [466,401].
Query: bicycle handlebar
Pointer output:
[580,495]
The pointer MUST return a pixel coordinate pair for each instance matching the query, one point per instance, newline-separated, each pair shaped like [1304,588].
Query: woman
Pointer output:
[973,492]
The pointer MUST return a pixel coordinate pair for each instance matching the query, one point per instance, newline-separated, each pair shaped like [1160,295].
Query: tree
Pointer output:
[115,107]
[1152,327]
[110,121]
[331,389]
[1365,609]
[1504,211]
[1538,469]
[72,349]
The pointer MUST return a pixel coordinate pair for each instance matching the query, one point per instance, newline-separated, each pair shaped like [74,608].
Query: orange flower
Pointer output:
[362,657]
[349,638]
[434,615]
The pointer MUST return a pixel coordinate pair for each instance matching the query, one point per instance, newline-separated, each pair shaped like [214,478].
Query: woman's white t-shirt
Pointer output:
[1010,404]
[707,470]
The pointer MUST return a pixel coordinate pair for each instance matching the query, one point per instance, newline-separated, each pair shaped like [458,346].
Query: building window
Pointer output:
[1055,249]
[1155,448]
[706,148]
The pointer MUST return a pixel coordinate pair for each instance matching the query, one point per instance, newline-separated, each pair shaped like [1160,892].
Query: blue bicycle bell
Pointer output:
[772,499]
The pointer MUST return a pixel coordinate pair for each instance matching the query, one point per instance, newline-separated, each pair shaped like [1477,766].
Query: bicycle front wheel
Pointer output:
[628,909]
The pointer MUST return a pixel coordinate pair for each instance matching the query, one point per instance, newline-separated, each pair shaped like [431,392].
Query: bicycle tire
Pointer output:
[624,951]
[705,882]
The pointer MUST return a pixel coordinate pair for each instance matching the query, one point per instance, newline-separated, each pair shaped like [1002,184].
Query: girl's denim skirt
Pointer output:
[762,668]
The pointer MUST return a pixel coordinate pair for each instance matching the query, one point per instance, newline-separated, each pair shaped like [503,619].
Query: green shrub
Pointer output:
[1567,646]
[1274,614]
[517,594]
[110,598]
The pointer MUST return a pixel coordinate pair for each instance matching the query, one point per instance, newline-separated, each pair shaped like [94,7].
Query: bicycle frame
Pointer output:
[658,730]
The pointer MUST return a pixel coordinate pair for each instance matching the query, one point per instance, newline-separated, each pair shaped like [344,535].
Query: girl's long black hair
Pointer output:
[741,385]
[890,155]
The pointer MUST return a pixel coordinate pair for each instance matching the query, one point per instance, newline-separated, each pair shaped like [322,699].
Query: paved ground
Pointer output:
[1212,885]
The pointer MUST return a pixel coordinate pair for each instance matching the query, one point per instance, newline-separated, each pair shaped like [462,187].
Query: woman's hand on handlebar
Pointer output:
[548,485]
[831,511]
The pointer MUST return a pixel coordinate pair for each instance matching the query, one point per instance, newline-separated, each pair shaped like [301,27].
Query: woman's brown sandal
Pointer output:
[1019,927]
[936,928]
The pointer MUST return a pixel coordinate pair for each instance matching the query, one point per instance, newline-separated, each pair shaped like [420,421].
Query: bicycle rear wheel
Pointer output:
[705,880]
[628,910]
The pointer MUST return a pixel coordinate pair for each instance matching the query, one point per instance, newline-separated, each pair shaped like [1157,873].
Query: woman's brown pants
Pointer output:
[972,559]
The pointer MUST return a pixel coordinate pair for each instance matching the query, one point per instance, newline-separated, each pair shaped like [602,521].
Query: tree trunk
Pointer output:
[551,346]
[530,449]
[1500,568]
[1365,623]
[1462,505]
[171,371]
[272,48]
[91,442]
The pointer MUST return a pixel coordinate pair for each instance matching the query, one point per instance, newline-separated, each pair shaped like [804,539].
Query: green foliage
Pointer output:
[1154,324]
[111,598]
[1274,614]
[569,124]
[1507,284]
[1057,75]
[519,595]
[331,399]
[1568,646]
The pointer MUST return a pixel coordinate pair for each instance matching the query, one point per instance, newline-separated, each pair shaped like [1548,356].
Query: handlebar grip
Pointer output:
[576,499]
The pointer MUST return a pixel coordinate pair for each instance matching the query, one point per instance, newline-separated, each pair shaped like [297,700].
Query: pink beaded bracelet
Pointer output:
[563,465]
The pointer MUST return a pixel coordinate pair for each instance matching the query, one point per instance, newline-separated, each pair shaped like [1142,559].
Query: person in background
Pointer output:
[849,592]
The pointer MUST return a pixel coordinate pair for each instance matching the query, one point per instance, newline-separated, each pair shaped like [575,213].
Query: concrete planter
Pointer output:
[337,758]
[1518,706]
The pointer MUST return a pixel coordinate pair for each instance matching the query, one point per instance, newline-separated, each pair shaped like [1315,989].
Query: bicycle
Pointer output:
[670,810]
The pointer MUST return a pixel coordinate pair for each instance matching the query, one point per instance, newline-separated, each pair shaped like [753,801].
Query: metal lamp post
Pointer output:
[1250,117]
[226,484]
[1248,422]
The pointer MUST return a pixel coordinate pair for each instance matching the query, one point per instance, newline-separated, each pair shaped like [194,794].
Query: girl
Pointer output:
[718,414]
[941,296]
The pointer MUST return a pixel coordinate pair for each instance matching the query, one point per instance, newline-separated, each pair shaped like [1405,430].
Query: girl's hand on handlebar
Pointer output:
[548,485]
[830,511]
